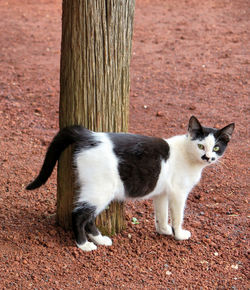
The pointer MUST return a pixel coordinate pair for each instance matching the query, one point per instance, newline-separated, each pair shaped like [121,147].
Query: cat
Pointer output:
[128,166]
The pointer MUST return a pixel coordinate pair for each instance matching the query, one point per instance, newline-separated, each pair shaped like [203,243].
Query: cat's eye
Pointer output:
[200,146]
[216,148]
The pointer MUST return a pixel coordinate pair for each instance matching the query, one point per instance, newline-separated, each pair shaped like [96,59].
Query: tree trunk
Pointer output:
[94,85]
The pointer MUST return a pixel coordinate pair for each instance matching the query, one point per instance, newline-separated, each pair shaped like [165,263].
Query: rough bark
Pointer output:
[94,85]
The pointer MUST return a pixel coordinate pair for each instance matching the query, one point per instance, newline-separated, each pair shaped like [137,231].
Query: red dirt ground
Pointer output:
[189,57]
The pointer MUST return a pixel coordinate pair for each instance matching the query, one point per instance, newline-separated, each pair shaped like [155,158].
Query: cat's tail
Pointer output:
[61,141]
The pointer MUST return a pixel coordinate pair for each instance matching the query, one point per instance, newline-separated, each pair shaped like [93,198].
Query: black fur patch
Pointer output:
[85,139]
[139,161]
[83,217]
[197,131]
[221,141]
[202,133]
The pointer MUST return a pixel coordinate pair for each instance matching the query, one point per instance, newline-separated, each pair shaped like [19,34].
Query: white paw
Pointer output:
[182,235]
[101,240]
[87,246]
[164,230]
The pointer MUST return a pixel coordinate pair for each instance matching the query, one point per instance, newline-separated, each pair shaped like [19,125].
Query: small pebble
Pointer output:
[159,114]
[192,108]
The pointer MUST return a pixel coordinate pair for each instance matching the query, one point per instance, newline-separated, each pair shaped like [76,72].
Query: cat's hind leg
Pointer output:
[95,235]
[81,216]
[161,215]
[92,200]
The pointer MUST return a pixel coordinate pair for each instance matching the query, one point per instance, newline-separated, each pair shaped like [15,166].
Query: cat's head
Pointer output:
[207,145]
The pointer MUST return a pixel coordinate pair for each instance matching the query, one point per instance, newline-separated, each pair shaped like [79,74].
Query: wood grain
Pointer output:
[94,85]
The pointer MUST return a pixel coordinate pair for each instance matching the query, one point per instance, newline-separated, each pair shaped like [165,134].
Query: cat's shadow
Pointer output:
[33,227]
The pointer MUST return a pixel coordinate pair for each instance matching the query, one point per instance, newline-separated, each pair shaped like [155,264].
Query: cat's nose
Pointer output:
[204,157]
[207,158]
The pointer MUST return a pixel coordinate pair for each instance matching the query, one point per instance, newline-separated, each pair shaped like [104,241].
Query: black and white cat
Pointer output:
[127,166]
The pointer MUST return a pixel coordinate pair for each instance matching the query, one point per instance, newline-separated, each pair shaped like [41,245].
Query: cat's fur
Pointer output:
[119,166]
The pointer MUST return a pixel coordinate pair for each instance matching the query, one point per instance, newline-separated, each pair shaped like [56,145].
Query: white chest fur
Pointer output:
[182,172]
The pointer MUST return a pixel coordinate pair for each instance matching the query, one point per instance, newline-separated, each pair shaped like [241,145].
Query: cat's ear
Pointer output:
[226,132]
[194,127]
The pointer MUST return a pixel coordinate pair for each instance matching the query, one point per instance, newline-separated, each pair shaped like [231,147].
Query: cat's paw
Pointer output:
[164,230]
[101,240]
[181,235]
[87,246]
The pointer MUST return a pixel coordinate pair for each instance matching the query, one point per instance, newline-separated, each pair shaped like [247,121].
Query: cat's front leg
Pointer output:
[161,215]
[177,206]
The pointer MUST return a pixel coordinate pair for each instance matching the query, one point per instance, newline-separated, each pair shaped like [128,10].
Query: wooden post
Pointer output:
[94,85]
